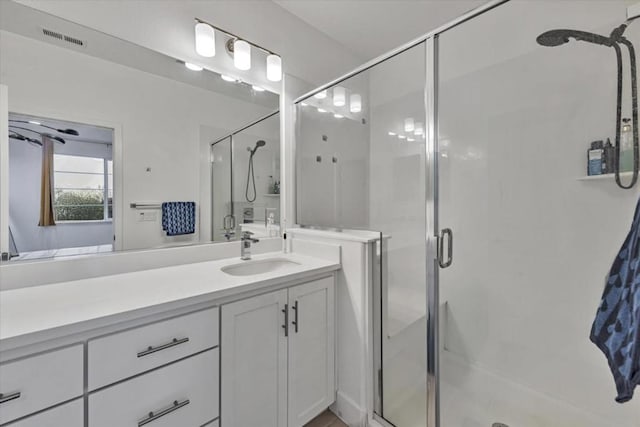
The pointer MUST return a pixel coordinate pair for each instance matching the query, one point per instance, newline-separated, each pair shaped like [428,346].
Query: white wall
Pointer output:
[159,120]
[167,27]
[25,170]
[532,243]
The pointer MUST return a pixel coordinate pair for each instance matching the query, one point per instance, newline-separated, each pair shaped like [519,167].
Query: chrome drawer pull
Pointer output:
[4,398]
[173,343]
[155,415]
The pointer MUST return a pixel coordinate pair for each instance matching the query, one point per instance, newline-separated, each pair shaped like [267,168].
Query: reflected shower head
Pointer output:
[559,37]
[259,144]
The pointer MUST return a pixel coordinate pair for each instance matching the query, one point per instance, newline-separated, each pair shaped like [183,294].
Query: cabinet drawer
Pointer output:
[124,354]
[38,382]
[182,394]
[67,415]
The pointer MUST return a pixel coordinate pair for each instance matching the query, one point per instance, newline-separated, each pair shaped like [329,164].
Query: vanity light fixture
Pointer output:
[239,48]
[338,116]
[409,125]
[193,67]
[355,104]
[242,55]
[257,88]
[227,78]
[392,134]
[339,96]
[321,95]
[274,68]
[205,40]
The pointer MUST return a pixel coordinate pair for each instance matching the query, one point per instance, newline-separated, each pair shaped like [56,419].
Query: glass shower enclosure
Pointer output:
[480,131]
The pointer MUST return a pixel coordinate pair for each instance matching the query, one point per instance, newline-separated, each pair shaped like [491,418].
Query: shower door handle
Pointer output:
[445,234]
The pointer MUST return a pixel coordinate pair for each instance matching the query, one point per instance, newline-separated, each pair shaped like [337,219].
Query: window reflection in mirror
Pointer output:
[60,188]
[162,118]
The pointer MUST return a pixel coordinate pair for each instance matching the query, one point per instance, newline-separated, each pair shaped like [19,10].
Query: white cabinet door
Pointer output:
[311,350]
[254,362]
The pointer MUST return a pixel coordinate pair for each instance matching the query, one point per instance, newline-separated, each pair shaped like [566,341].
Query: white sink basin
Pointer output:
[249,268]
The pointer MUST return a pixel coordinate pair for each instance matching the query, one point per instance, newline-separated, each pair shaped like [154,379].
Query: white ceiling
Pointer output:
[370,28]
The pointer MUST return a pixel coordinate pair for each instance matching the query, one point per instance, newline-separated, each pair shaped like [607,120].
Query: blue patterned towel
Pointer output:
[616,329]
[179,218]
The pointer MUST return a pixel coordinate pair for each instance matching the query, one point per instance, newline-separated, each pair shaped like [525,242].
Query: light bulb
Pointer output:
[274,68]
[193,67]
[321,95]
[205,40]
[339,96]
[257,88]
[355,103]
[242,55]
[409,126]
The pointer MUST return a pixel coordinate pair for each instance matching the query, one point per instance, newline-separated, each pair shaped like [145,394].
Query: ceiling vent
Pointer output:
[63,37]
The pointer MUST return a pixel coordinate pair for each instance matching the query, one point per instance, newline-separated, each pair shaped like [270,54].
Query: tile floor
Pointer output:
[326,419]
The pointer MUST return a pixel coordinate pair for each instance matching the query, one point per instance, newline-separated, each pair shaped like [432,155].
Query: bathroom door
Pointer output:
[533,238]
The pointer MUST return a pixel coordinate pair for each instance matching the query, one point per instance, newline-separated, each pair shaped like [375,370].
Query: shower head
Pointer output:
[559,37]
[259,144]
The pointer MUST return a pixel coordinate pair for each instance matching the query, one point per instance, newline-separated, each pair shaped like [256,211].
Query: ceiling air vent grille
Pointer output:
[62,37]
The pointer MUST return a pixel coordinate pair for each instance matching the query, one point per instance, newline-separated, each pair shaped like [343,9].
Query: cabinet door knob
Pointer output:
[174,342]
[161,413]
[295,316]
[286,320]
[7,397]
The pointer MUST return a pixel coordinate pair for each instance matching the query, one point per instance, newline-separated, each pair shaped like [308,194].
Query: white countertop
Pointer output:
[36,313]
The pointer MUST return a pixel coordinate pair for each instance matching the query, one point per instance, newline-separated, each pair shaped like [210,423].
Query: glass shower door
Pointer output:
[534,236]
[360,155]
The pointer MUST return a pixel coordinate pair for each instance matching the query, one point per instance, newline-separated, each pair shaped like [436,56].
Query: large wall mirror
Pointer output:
[113,146]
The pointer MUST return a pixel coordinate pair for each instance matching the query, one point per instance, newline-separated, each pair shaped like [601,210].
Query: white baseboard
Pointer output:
[349,411]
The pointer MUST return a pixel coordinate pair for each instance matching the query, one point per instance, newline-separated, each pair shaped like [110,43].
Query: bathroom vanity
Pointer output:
[187,345]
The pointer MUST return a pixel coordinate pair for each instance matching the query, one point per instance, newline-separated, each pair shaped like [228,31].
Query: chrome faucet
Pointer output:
[245,245]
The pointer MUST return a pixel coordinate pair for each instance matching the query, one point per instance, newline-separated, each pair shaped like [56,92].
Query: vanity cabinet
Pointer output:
[184,393]
[68,415]
[41,381]
[278,356]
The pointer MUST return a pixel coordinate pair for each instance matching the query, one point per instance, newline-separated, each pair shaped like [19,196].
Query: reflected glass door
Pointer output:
[534,239]
[223,219]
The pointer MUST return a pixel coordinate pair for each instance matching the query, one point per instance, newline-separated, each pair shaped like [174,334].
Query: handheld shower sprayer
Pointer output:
[251,178]
[559,37]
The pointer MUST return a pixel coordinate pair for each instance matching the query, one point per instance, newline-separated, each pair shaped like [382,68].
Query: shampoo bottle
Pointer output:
[595,158]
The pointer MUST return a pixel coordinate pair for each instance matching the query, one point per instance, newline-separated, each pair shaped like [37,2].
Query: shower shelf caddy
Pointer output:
[607,176]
